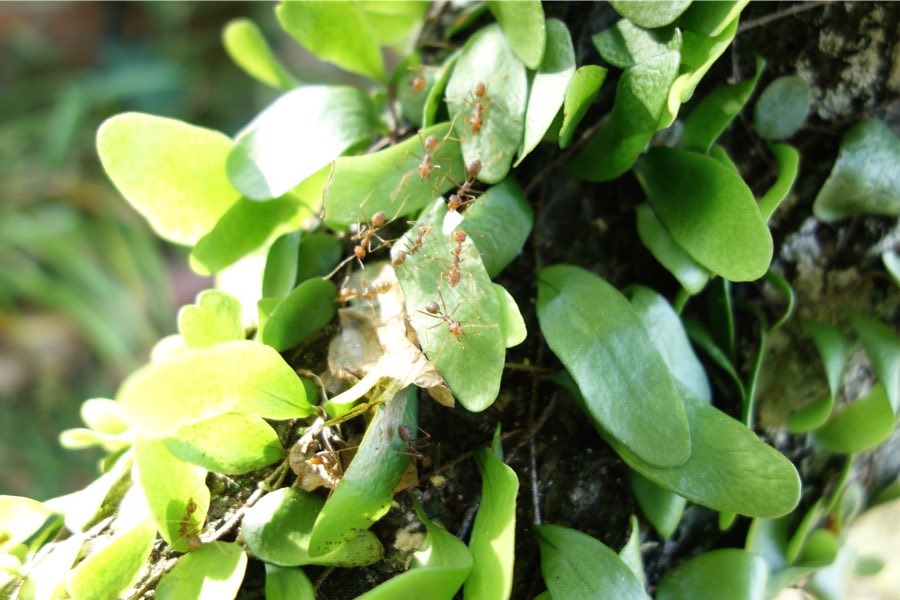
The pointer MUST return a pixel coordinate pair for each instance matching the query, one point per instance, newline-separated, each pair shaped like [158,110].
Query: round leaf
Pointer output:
[727,573]
[103,415]
[709,211]
[308,308]
[215,318]
[625,44]
[214,572]
[20,519]
[650,13]
[600,339]
[782,108]
[523,24]
[171,172]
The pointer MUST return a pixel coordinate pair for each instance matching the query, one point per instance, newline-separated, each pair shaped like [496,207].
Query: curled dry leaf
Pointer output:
[318,457]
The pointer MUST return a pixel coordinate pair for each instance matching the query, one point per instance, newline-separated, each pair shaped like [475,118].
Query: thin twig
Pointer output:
[780,14]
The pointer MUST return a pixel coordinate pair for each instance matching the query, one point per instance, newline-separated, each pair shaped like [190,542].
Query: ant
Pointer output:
[417,82]
[430,145]
[366,232]
[454,327]
[187,530]
[464,195]
[406,434]
[417,244]
[347,293]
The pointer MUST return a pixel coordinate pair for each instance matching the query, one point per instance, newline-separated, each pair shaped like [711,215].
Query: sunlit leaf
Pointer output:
[215,318]
[576,566]
[548,87]
[864,180]
[583,89]
[660,506]
[860,425]
[214,572]
[308,308]
[337,32]
[284,583]
[788,161]
[599,337]
[247,47]
[230,444]
[882,346]
[277,530]
[393,23]
[523,25]
[832,582]
[109,570]
[627,44]
[728,573]
[512,325]
[782,108]
[272,154]
[708,210]
[171,172]
[487,60]
[103,415]
[679,263]
[650,13]
[47,576]
[20,519]
[239,376]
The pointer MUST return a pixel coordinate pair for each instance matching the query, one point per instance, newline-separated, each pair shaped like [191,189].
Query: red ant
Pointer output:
[454,327]
[406,434]
[187,529]
[347,293]
[417,244]
[430,145]
[417,82]
[453,275]
[464,195]
[366,233]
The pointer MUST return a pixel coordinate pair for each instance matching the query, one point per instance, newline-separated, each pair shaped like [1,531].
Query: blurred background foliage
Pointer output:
[85,287]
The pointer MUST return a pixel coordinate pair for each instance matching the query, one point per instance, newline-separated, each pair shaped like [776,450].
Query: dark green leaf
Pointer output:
[308,308]
[337,32]
[600,339]
[709,211]
[583,89]
[272,154]
[782,108]
[215,318]
[728,573]
[650,13]
[288,584]
[654,236]
[435,100]
[660,506]
[641,96]
[319,253]
[788,161]
[833,349]
[413,83]
[487,59]
[864,180]
[523,24]
[710,18]
[247,47]
[860,425]
[548,87]
[576,566]
[882,346]
[280,274]
[626,44]
[231,444]
[214,572]
[171,172]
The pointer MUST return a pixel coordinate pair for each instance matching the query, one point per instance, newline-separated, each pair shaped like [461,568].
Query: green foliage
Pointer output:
[729,572]
[524,27]
[214,571]
[108,571]
[782,108]
[583,89]
[247,47]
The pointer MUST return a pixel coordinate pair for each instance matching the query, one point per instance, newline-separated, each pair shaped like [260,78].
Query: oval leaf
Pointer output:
[782,108]
[487,60]
[728,573]
[288,584]
[650,13]
[656,239]
[523,24]
[711,18]
[548,87]
[308,308]
[599,337]
[709,211]
[247,47]
[214,572]
[240,376]
[583,89]
[860,425]
[576,566]
[230,444]
[273,153]
[511,322]
[215,318]
[171,172]
[108,572]
[626,44]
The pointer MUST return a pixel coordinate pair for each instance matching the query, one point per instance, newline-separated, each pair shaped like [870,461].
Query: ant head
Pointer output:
[433,308]
[480,89]
[382,287]
[455,328]
[404,432]
[360,252]
[378,218]
[417,83]
[474,168]
[459,236]
[454,202]
[431,143]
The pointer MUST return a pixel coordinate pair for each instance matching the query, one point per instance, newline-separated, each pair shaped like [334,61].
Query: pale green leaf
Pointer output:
[599,337]
[247,47]
[626,44]
[109,570]
[549,85]
[284,583]
[860,425]
[240,376]
[487,59]
[787,159]
[512,325]
[103,415]
[47,575]
[728,573]
[215,318]
[891,260]
[663,508]
[864,180]
[273,153]
[308,308]
[280,274]
[583,89]
[631,551]
[171,172]
[656,238]
[337,32]
[524,27]
[214,572]
[708,210]
[231,444]
[20,519]
[650,13]
[393,23]
[782,108]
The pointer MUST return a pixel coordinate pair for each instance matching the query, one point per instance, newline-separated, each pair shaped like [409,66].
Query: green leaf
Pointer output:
[437,571]
[364,494]
[668,335]
[660,506]
[336,32]
[576,566]
[860,425]
[832,582]
[716,111]
[272,154]
[600,339]
[711,18]
[487,59]
[499,223]
[891,260]
[240,376]
[494,532]
[626,44]
[834,349]
[512,325]
[583,89]
[394,22]
[472,362]
[631,551]
[708,210]
[650,13]
[390,181]
[108,571]
[280,274]
[20,519]
[47,575]
[525,30]
[435,100]
[702,338]
[640,100]
[728,573]
[214,572]
[231,444]
[244,228]
[548,87]
[288,584]
[729,469]
[413,83]
[864,180]
[787,159]
[782,108]
[103,415]
[882,347]
[215,318]
[277,530]
[690,275]
[247,47]
[171,172]
[308,308]
[172,488]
